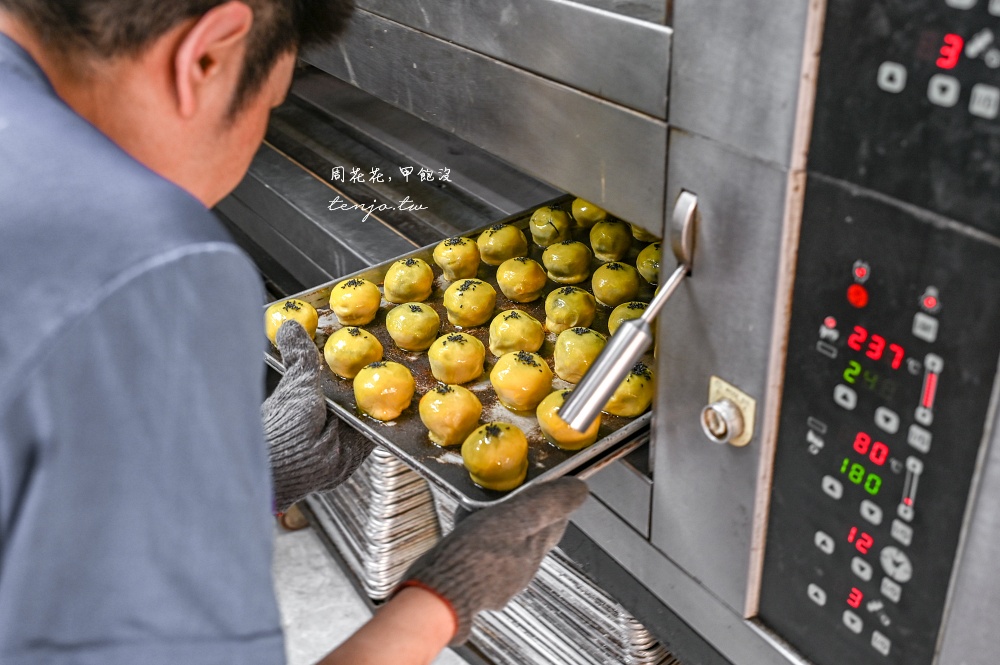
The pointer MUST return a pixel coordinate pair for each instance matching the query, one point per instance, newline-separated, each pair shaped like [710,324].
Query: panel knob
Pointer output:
[722,421]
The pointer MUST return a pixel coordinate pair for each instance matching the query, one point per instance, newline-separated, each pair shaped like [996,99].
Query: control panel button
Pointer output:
[923,415]
[925,327]
[891,77]
[861,568]
[919,438]
[890,590]
[887,420]
[985,101]
[871,512]
[934,363]
[881,643]
[833,487]
[824,542]
[896,564]
[961,4]
[995,7]
[845,397]
[816,595]
[902,532]
[853,622]
[943,90]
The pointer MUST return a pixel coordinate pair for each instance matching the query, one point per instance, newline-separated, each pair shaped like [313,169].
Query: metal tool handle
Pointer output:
[634,336]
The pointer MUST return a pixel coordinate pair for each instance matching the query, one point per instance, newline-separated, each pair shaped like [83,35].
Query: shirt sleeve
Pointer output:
[142,529]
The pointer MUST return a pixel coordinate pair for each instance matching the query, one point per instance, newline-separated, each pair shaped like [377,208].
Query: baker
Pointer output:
[135,484]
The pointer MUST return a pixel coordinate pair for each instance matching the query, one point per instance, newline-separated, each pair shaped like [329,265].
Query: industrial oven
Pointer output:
[822,482]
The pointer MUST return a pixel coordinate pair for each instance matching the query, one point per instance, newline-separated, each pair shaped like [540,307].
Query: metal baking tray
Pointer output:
[407,437]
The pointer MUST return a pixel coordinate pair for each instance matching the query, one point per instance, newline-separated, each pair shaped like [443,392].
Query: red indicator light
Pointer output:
[861,272]
[857,295]
[930,388]
[830,322]
[908,501]
[930,302]
[951,51]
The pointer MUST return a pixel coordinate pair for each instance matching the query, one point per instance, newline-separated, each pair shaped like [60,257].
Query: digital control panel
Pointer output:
[908,103]
[893,351]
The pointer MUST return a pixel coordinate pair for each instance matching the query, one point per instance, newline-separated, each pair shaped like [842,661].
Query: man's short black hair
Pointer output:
[107,28]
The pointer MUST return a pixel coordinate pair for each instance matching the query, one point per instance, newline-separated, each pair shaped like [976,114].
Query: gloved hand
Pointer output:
[494,553]
[309,450]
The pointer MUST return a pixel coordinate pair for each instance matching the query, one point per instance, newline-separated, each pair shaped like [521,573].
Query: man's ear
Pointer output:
[215,45]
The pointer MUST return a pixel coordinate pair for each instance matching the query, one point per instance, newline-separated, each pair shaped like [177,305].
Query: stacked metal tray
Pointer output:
[380,520]
[406,436]
[561,617]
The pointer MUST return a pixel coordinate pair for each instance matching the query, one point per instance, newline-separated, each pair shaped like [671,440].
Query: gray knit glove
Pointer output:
[309,450]
[493,554]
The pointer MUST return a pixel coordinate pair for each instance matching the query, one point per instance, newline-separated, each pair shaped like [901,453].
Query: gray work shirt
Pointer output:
[135,494]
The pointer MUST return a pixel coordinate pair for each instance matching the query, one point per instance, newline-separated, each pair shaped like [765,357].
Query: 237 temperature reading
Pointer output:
[876,346]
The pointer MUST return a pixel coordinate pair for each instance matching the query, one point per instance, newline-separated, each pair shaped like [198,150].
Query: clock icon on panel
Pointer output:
[896,564]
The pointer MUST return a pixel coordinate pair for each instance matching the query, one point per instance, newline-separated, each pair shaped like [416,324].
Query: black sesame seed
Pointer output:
[416,309]
[378,363]
[456,337]
[511,315]
[468,284]
[614,265]
[526,358]
[451,242]
[354,332]
[640,369]
[492,430]
[636,305]
[521,259]
[409,263]
[291,305]
[443,389]
[352,283]
[567,290]
[580,330]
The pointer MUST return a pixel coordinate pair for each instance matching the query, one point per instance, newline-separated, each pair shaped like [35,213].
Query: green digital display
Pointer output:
[858,475]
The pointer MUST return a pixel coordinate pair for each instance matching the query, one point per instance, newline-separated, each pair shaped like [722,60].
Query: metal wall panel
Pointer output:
[560,40]
[719,323]
[603,152]
[736,68]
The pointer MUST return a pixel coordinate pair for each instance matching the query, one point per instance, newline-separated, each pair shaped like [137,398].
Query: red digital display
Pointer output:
[876,346]
[950,51]
[877,452]
[855,597]
[930,389]
[862,541]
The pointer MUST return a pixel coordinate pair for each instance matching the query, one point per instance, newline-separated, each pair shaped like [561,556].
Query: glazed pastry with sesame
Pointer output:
[355,301]
[413,326]
[567,262]
[625,311]
[521,380]
[555,429]
[568,307]
[648,263]
[449,413]
[549,225]
[383,389]
[610,240]
[615,283]
[514,330]
[587,214]
[496,456]
[634,394]
[291,309]
[521,279]
[408,280]
[456,358]
[469,302]
[501,242]
[349,349]
[457,257]
[576,350]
